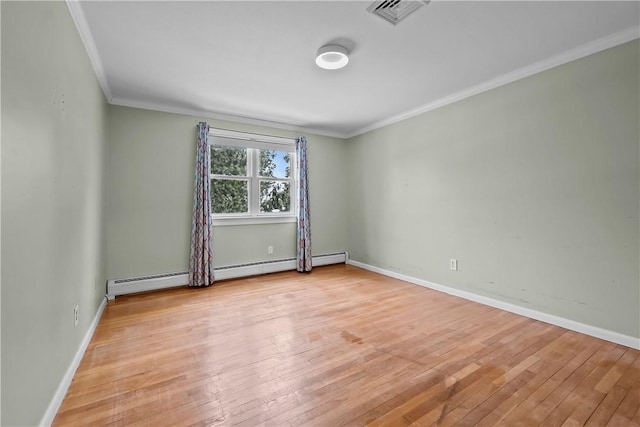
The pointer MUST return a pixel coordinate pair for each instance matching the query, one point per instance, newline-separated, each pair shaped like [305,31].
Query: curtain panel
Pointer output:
[201,260]
[303,256]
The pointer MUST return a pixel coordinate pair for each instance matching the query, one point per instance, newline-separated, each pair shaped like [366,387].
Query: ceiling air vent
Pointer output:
[395,11]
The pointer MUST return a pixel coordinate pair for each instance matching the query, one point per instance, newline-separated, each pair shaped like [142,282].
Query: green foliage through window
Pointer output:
[233,178]
[230,161]
[275,196]
[229,196]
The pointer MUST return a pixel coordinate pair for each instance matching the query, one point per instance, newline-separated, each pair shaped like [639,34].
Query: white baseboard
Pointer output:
[583,328]
[122,287]
[61,392]
[117,287]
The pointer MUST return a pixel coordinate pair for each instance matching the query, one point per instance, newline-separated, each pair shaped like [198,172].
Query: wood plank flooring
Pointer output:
[341,346]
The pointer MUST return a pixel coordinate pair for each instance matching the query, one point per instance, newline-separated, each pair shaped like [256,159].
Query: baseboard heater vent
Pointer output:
[117,287]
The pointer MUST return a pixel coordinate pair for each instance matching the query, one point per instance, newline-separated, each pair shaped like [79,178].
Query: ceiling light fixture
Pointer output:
[332,57]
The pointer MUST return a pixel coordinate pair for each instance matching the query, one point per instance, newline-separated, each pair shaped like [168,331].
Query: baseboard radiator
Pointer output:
[117,287]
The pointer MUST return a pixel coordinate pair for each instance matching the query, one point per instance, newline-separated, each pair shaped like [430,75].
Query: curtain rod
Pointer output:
[253,133]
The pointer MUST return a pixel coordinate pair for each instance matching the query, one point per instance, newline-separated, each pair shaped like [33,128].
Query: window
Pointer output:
[252,177]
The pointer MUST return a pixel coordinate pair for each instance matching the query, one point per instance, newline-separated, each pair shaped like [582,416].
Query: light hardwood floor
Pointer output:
[341,346]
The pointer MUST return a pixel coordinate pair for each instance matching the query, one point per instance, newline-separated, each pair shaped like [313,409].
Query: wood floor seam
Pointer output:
[341,346]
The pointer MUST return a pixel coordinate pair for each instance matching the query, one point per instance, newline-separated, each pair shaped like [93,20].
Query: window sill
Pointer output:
[224,221]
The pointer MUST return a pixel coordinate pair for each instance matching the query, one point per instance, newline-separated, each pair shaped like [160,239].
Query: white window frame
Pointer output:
[256,142]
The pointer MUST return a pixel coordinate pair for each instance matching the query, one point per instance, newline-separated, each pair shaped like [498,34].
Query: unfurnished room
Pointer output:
[320,213]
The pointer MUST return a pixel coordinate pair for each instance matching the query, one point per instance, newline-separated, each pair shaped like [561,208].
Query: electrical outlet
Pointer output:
[76,315]
[270,250]
[453,264]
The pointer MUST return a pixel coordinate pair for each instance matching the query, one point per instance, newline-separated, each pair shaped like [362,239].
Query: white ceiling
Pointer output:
[253,61]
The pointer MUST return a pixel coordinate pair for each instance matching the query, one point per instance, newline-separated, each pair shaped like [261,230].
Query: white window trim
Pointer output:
[252,140]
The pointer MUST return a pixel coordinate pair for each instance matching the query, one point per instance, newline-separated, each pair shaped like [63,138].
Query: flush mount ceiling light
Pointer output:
[332,57]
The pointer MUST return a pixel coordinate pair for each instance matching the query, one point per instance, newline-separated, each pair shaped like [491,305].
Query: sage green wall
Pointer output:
[151,158]
[53,126]
[533,187]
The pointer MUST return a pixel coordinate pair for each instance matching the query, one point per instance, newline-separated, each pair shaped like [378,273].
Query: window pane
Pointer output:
[275,196]
[229,196]
[275,164]
[230,161]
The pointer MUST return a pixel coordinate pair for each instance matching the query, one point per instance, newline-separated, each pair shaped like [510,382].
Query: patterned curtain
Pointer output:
[201,263]
[304,225]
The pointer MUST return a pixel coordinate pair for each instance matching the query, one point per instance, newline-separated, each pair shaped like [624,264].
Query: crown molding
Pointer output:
[535,68]
[222,116]
[77,14]
[582,51]
[79,19]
